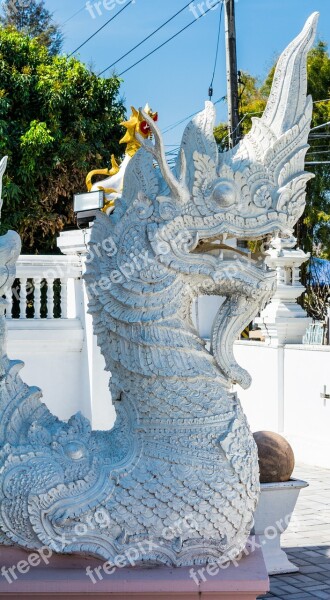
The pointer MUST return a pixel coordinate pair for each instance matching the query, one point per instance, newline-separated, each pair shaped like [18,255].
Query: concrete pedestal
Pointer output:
[272,518]
[66,577]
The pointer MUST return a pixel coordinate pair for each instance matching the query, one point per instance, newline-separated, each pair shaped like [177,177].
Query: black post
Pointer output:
[232,74]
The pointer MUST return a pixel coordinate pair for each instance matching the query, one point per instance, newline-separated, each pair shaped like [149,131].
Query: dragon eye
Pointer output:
[144,128]
[224,193]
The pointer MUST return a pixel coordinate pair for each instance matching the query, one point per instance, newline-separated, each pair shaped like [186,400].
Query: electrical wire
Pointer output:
[241,121]
[145,39]
[168,40]
[321,126]
[313,152]
[74,15]
[216,54]
[175,125]
[103,26]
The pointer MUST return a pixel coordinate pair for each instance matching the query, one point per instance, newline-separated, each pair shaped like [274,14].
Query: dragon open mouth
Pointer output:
[254,252]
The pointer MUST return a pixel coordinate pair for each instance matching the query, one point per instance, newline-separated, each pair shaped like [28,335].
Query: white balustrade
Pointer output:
[42,286]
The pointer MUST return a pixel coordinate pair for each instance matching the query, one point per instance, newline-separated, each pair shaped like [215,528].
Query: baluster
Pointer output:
[288,276]
[64,298]
[279,275]
[37,297]
[22,298]
[50,298]
[296,275]
[9,298]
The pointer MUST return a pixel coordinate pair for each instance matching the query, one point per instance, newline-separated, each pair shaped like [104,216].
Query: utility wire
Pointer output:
[169,40]
[321,126]
[74,15]
[175,125]
[216,54]
[145,39]
[259,112]
[103,26]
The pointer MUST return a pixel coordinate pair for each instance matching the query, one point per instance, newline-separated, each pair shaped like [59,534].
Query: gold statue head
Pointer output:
[136,124]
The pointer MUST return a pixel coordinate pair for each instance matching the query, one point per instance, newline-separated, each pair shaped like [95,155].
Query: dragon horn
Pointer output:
[178,188]
[287,100]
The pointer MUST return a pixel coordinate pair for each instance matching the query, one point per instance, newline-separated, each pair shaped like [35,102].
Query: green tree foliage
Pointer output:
[32,18]
[57,122]
[313,229]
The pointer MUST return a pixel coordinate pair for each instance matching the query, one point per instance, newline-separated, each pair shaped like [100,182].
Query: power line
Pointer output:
[177,123]
[74,15]
[145,39]
[103,26]
[321,126]
[313,152]
[259,112]
[216,54]
[169,40]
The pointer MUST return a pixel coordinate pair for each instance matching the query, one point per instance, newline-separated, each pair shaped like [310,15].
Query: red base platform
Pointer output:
[66,577]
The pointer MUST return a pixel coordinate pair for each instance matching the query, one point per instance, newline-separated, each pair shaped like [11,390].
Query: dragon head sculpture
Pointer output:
[256,189]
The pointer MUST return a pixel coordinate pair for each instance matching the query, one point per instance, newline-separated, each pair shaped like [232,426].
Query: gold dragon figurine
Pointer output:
[112,186]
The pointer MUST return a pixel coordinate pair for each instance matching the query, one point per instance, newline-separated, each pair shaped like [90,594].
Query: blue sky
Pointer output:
[175,80]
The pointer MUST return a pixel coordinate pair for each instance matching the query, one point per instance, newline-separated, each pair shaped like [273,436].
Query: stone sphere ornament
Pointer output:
[276,457]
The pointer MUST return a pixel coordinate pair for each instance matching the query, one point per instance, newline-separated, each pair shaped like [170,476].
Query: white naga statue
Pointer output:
[178,474]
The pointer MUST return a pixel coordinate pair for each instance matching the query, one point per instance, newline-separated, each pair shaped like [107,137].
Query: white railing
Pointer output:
[44,287]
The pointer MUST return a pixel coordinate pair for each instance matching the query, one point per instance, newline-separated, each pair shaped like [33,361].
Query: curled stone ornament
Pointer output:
[178,474]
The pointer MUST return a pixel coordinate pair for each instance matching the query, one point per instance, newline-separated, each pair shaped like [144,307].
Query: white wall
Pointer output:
[52,353]
[62,358]
[262,401]
[205,309]
[307,415]
[285,395]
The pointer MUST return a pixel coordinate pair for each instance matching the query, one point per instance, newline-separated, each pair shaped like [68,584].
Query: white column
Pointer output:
[64,298]
[22,298]
[9,307]
[37,297]
[284,321]
[50,298]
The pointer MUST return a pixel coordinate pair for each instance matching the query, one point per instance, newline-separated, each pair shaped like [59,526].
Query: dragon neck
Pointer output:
[156,356]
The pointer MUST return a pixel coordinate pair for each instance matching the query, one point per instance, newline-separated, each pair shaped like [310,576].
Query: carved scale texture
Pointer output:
[178,474]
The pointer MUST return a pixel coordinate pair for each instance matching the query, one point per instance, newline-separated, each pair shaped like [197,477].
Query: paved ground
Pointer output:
[307,541]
